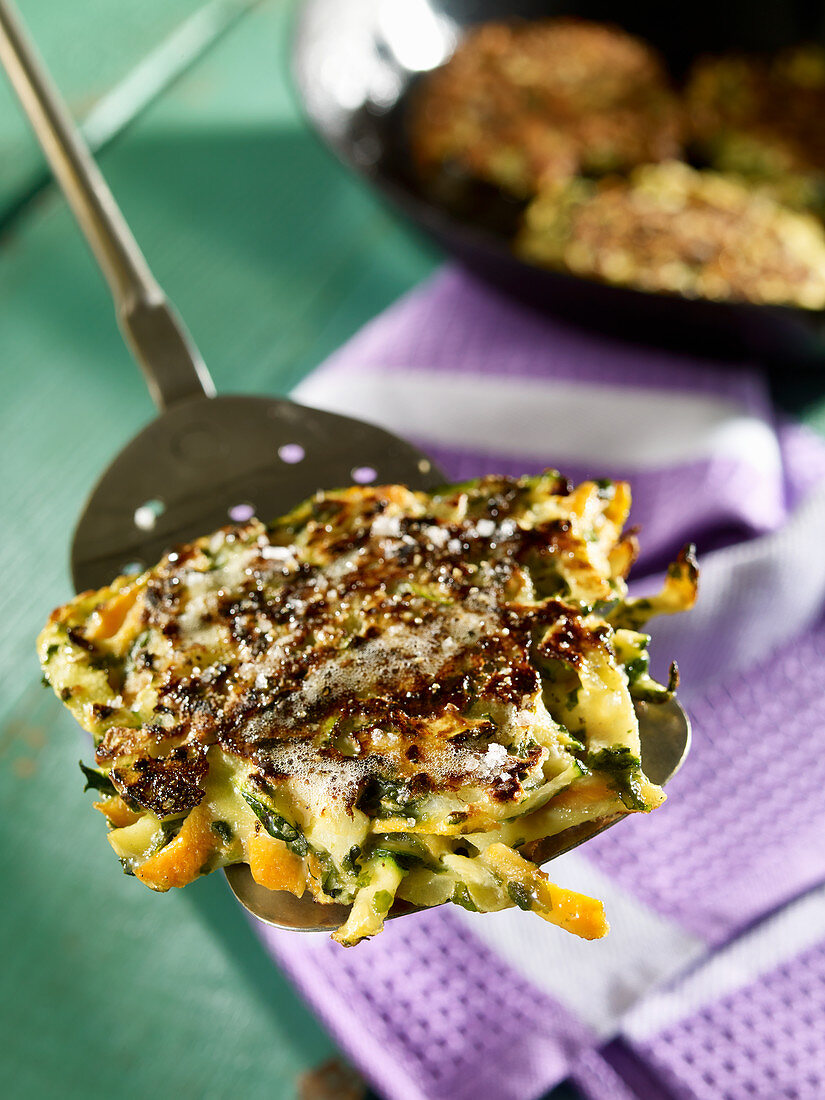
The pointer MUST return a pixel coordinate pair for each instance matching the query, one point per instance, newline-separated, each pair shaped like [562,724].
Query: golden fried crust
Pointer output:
[519,104]
[375,632]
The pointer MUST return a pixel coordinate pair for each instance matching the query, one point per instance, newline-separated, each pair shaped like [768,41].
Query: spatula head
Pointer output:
[211,461]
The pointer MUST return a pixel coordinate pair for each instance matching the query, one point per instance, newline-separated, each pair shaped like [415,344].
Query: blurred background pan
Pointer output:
[357,61]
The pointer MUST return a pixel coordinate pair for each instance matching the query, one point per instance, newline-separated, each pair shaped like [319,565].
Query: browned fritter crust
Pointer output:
[281,657]
[519,104]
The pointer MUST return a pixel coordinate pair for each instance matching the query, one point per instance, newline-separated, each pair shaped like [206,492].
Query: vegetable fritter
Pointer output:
[382,694]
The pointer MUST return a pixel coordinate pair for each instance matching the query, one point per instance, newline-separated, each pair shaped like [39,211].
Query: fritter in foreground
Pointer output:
[385,694]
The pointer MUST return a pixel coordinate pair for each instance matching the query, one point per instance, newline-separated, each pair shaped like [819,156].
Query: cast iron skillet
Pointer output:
[356,61]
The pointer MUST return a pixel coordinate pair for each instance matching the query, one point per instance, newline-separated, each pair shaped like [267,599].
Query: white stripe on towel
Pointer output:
[740,964]
[533,418]
[598,981]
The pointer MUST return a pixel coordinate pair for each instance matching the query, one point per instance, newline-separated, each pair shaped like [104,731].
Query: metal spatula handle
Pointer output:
[170,361]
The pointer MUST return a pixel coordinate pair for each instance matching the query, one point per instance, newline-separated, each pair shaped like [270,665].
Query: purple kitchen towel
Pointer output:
[748,1022]
[711,982]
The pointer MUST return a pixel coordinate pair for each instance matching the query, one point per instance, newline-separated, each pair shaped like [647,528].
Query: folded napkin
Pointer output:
[711,983]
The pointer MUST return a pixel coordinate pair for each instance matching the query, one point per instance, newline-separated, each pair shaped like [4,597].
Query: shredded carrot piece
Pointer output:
[576,913]
[182,859]
[107,619]
[116,811]
[618,508]
[273,865]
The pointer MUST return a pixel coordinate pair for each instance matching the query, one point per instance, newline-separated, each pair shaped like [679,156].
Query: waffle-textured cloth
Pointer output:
[711,984]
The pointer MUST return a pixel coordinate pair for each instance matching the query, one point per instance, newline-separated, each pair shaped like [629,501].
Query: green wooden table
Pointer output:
[274,257]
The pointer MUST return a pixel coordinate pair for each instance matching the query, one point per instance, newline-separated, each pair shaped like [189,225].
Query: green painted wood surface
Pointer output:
[89,45]
[274,256]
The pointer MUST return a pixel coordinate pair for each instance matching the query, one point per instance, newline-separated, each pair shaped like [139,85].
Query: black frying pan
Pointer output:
[356,61]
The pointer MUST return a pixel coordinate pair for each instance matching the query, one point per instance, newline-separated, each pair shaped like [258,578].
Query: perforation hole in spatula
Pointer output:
[291,453]
[148,513]
[240,513]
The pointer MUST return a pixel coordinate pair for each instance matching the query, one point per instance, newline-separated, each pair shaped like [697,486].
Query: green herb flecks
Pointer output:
[350,861]
[381,902]
[223,830]
[519,895]
[211,559]
[331,882]
[622,769]
[139,656]
[278,826]
[461,896]
[170,829]
[603,608]
[384,798]
[97,780]
[429,592]
[112,666]
[403,859]
[647,690]
[636,669]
